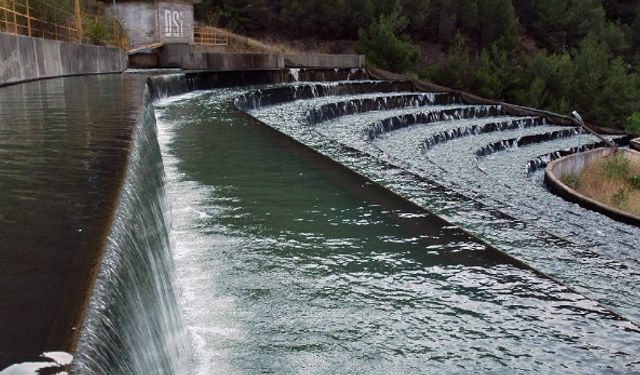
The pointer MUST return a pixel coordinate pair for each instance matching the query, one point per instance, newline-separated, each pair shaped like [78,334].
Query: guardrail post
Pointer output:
[78,21]
[28,17]
[6,21]
[15,17]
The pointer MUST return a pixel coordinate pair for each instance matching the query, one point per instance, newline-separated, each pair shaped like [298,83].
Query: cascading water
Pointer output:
[278,261]
[133,324]
[441,163]
[298,264]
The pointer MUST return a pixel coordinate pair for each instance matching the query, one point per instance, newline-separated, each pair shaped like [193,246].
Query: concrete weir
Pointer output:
[65,148]
[67,145]
[199,60]
[26,58]
[572,165]
[87,266]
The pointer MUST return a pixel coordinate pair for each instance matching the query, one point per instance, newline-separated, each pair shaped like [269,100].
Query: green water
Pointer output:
[63,144]
[287,263]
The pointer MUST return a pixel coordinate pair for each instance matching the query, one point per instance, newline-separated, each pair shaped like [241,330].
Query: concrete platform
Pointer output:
[324,61]
[231,61]
[195,60]
[211,58]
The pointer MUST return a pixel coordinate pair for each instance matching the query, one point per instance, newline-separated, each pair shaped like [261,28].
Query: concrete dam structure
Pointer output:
[299,220]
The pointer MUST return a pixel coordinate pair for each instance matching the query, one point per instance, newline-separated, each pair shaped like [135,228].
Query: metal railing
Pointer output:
[209,36]
[39,18]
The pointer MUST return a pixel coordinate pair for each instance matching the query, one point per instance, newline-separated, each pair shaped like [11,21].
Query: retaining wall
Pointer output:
[324,61]
[232,61]
[572,165]
[25,58]
[195,60]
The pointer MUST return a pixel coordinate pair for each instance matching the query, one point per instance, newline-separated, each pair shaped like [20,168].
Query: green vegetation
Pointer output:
[97,32]
[613,180]
[632,124]
[384,44]
[558,55]
[616,167]
[570,180]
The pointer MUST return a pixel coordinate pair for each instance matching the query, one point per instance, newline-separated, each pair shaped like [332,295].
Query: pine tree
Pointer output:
[385,45]
[498,23]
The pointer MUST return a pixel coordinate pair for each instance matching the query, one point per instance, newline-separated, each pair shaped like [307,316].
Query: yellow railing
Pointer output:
[209,36]
[39,18]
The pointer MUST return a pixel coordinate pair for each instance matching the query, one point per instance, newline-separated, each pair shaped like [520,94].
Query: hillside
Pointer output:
[559,55]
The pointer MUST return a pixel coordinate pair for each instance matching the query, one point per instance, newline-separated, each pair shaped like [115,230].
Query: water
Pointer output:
[442,170]
[288,263]
[63,144]
[232,249]
[133,324]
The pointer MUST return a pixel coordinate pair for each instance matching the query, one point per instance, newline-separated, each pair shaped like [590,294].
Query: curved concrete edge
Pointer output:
[26,58]
[635,144]
[558,168]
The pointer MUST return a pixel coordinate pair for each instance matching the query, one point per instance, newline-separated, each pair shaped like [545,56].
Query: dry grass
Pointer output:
[241,43]
[614,181]
[273,44]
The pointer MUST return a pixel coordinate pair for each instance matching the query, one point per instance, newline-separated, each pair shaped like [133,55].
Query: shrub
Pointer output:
[384,45]
[97,32]
[632,124]
[617,167]
[570,180]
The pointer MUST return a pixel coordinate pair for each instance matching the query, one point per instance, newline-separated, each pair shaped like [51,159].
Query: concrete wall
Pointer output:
[175,22]
[170,55]
[196,60]
[635,144]
[324,61]
[150,22]
[140,20]
[573,164]
[232,61]
[24,58]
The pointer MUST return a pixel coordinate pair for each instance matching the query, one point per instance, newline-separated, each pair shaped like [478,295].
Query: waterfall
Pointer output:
[133,324]
[295,74]
[284,94]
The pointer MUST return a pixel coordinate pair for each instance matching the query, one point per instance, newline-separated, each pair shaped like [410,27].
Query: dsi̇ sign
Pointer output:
[173,23]
[148,23]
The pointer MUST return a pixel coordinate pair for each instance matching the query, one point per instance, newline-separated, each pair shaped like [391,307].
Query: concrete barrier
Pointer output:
[196,60]
[572,165]
[25,58]
[635,144]
[231,61]
[324,61]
